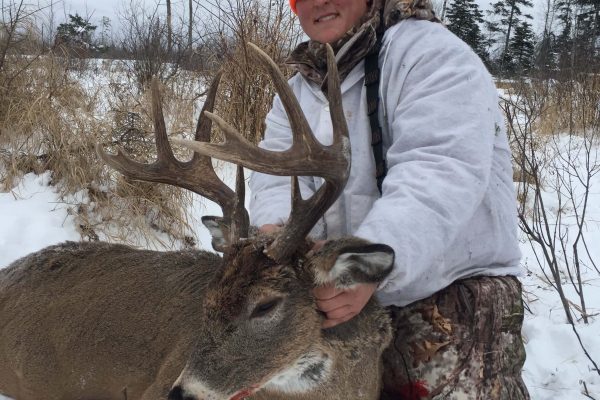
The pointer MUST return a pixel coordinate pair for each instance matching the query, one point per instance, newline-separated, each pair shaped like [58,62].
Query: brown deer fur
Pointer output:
[105,321]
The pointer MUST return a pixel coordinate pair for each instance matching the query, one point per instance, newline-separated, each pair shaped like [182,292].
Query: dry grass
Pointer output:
[538,111]
[568,106]
[506,85]
[245,99]
[49,122]
[246,92]
[573,106]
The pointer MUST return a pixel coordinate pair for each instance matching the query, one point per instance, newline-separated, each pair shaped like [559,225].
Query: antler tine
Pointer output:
[197,175]
[302,134]
[163,149]
[306,213]
[301,131]
[306,156]
[240,228]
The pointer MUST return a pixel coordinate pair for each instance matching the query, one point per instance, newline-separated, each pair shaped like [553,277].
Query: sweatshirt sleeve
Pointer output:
[441,124]
[270,202]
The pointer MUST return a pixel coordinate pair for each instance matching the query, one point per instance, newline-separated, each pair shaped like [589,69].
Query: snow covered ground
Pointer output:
[556,367]
[32,217]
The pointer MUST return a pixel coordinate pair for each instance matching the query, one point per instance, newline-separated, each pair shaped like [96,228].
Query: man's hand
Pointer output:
[340,305]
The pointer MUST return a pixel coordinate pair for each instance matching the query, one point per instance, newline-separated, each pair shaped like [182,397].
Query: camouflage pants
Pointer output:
[462,343]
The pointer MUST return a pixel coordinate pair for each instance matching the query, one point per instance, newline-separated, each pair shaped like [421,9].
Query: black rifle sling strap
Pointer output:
[372,77]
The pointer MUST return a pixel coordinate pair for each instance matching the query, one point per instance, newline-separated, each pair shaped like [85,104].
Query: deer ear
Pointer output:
[219,232]
[346,263]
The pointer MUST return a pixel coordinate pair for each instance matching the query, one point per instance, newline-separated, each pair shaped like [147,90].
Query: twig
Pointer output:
[585,392]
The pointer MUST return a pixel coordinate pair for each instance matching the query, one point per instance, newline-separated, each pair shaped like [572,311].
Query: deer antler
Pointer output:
[306,156]
[197,175]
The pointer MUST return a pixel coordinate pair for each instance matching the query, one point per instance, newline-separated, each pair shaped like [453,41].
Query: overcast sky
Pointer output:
[102,8]
[96,9]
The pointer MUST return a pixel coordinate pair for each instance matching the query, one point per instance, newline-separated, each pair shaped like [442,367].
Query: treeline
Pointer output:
[504,38]
[194,34]
[567,41]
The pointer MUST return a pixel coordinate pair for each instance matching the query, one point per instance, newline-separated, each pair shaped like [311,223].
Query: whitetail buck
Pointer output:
[96,321]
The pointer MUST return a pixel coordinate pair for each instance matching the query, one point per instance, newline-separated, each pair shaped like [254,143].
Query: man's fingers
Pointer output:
[342,305]
[328,306]
[341,299]
[326,292]
[340,312]
[329,323]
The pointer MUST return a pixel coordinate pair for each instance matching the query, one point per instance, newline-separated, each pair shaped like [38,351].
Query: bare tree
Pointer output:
[19,36]
[14,16]
[190,23]
[169,26]
[156,50]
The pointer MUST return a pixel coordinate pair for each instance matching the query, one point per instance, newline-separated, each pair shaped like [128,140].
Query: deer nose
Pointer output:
[177,393]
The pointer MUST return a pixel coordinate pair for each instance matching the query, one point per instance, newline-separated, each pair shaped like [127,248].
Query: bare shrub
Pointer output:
[17,45]
[555,162]
[58,131]
[161,207]
[246,94]
[154,45]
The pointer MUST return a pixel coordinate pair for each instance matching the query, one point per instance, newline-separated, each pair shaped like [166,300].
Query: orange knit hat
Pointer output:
[293,5]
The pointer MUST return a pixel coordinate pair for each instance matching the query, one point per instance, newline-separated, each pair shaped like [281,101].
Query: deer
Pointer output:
[95,320]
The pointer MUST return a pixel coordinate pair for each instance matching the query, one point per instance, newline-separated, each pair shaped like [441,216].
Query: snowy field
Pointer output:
[32,217]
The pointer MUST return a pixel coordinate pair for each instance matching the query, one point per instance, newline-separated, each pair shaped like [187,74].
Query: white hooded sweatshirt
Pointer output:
[448,207]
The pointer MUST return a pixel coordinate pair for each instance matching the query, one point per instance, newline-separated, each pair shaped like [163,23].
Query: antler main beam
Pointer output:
[306,157]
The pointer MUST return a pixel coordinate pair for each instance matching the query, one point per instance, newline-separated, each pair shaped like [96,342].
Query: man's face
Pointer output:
[326,21]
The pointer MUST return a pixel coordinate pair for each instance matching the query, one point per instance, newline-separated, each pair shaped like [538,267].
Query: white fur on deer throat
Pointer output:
[192,387]
[341,272]
[307,373]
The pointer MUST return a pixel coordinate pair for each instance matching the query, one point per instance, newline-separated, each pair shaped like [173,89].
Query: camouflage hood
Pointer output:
[309,57]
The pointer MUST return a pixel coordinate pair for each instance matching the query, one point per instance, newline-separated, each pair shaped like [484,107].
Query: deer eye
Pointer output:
[264,308]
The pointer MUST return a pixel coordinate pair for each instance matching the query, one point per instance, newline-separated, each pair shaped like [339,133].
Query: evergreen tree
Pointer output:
[587,35]
[546,57]
[578,38]
[493,35]
[77,30]
[564,39]
[463,18]
[522,46]
[510,16]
